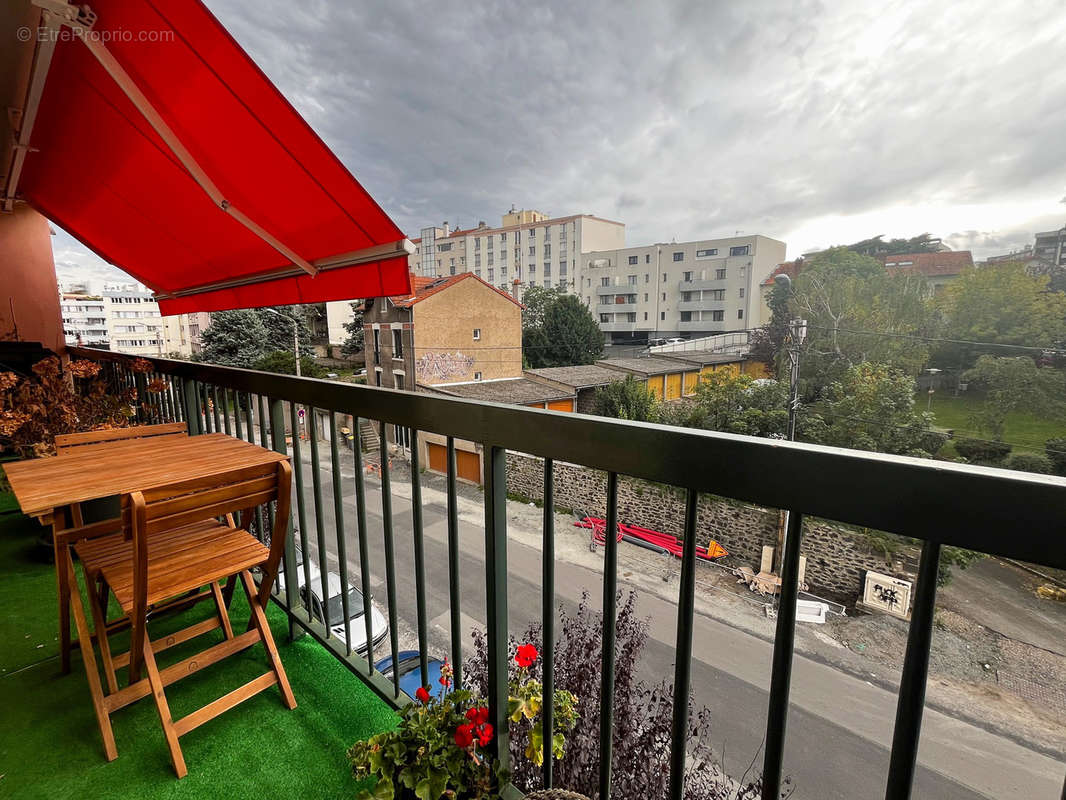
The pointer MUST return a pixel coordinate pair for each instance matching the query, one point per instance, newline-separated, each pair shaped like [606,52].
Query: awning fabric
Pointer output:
[99,169]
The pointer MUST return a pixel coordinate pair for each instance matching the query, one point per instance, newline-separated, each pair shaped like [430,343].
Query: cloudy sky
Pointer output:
[815,123]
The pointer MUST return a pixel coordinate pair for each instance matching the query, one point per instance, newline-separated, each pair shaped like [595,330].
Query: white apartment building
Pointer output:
[125,317]
[684,289]
[529,248]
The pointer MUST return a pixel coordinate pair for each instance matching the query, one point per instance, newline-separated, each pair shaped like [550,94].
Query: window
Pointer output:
[547,268]
[490,259]
[503,238]
[444,248]
[477,376]
[547,283]
[707,253]
[397,344]
[686,316]
[664,295]
[503,272]
[377,346]
[717,316]
[662,316]
[742,272]
[477,334]
[488,242]
[740,313]
[451,269]
[547,250]
[605,281]
[561,285]
[647,278]
[562,233]
[741,291]
[631,316]
[492,274]
[647,258]
[645,297]
[605,317]
[477,244]
[719,274]
[547,231]
[398,377]
[477,259]
[562,268]
[679,256]
[686,297]
[532,233]
[687,276]
[743,250]
[664,277]
[532,270]
[533,250]
[714,294]
[632,259]
[632,280]
[645,316]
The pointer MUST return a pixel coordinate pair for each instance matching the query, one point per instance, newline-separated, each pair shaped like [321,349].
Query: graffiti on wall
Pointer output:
[443,366]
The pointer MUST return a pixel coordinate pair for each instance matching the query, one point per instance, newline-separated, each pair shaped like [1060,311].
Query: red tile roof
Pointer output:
[427,287]
[790,268]
[928,264]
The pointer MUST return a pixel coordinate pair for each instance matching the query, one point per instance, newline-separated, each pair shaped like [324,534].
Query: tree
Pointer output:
[857,312]
[284,363]
[355,341]
[627,399]
[1013,384]
[535,301]
[768,341]
[737,403]
[1000,304]
[561,331]
[922,243]
[871,407]
[280,331]
[234,338]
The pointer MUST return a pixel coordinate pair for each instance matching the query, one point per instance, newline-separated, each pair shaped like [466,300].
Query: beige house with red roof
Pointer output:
[449,330]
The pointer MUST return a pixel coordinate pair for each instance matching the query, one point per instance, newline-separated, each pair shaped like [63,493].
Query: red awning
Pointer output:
[162,147]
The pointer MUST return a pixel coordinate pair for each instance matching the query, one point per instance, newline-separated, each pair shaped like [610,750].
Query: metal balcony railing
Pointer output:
[1010,514]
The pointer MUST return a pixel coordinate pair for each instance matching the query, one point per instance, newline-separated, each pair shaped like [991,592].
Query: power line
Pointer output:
[939,339]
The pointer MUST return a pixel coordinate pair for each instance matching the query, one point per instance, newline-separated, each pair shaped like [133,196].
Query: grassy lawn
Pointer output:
[1026,432]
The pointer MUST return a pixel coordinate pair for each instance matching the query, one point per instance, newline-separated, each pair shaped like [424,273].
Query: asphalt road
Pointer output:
[839,727]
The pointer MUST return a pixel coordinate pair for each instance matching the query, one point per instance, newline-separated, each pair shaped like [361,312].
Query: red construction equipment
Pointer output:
[646,537]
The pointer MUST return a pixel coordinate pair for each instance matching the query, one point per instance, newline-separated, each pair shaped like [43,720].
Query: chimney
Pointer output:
[445,228]
[481,224]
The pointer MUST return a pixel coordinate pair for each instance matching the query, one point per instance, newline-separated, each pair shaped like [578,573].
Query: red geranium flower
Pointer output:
[464,735]
[422,695]
[484,734]
[479,716]
[526,655]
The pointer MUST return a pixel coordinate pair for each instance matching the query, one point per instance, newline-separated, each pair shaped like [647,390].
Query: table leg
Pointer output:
[62,559]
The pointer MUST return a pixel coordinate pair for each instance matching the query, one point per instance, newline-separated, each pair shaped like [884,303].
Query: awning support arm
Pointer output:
[42,60]
[83,19]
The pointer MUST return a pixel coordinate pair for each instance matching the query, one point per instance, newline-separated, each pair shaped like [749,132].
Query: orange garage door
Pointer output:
[655,386]
[561,405]
[468,465]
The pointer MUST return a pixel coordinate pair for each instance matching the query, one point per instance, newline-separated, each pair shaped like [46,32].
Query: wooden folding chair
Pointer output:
[174,544]
[65,443]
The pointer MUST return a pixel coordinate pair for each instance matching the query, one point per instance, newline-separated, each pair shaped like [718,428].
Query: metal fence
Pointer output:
[1011,514]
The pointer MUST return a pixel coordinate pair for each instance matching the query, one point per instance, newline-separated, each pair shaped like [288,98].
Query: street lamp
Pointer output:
[929,403]
[295,335]
[797,332]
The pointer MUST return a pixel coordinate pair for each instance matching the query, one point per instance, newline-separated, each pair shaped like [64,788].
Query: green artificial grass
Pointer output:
[50,744]
[1026,432]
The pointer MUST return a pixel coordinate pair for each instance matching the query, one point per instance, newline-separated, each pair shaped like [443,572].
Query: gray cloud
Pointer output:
[681,118]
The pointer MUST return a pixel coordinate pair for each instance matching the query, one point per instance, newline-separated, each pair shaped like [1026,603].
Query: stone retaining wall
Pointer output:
[837,558]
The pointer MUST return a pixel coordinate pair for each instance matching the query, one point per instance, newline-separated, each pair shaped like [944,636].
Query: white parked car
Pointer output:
[379,626]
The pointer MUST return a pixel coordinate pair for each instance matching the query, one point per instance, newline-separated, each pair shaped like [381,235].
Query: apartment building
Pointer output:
[686,289]
[529,248]
[1050,246]
[125,317]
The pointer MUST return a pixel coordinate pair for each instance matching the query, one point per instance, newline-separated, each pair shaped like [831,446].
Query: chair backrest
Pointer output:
[222,494]
[65,442]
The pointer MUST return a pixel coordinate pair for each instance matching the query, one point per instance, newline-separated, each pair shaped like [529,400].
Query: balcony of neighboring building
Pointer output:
[697,284]
[705,304]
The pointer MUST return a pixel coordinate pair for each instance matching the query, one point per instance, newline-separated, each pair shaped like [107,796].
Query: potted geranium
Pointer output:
[438,749]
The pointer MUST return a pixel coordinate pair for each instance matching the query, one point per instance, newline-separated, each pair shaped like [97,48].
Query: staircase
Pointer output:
[368,436]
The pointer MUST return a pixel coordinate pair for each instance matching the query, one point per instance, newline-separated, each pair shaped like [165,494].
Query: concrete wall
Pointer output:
[29,294]
[445,350]
[837,558]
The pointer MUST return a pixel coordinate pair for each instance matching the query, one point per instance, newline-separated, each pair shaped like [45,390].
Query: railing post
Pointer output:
[192,407]
[288,558]
[686,605]
[496,598]
[911,701]
[610,621]
[781,675]
[547,621]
